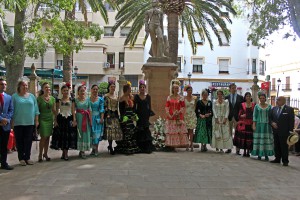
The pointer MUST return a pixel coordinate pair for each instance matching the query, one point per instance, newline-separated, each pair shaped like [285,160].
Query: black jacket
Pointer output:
[234,110]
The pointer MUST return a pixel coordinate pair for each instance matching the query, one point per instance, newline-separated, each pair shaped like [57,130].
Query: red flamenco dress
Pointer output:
[175,129]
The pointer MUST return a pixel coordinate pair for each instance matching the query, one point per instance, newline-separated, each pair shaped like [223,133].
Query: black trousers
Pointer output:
[281,148]
[4,136]
[23,135]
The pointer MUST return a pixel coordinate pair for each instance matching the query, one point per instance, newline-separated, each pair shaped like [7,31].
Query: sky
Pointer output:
[283,51]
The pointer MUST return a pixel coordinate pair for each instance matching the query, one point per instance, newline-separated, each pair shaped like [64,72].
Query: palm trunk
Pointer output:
[15,68]
[68,59]
[294,11]
[173,36]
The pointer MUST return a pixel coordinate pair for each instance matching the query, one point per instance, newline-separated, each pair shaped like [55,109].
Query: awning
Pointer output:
[45,73]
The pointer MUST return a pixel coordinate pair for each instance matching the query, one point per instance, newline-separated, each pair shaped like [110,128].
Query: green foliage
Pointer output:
[103,88]
[269,16]
[203,15]
[42,81]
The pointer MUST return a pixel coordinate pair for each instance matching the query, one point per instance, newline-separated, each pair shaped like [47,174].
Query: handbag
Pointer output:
[241,127]
[55,138]
[35,134]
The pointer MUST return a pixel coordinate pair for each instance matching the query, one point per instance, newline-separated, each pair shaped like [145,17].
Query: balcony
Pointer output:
[286,87]
[273,88]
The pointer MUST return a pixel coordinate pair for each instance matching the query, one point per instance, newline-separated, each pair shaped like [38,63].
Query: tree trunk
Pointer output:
[15,68]
[173,36]
[68,59]
[294,11]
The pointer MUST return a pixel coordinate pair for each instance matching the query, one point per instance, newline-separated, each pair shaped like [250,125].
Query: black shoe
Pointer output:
[111,150]
[7,167]
[237,153]
[275,161]
[228,151]
[285,164]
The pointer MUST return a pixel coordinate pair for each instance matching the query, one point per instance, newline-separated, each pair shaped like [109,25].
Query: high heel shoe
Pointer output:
[110,150]
[46,157]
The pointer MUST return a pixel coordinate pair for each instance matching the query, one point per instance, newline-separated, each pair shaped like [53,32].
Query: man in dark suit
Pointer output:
[6,113]
[235,101]
[282,121]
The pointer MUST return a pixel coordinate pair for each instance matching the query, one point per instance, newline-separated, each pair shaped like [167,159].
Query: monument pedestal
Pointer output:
[158,76]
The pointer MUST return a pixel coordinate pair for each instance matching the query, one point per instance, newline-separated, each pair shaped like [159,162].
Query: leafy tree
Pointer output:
[190,14]
[13,46]
[268,16]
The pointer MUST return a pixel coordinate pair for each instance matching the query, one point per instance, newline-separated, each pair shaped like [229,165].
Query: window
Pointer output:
[108,31]
[121,60]
[179,63]
[287,85]
[273,85]
[59,62]
[111,59]
[197,64]
[253,66]
[59,59]
[133,79]
[108,7]
[124,31]
[223,66]
[198,38]
[223,39]
[261,67]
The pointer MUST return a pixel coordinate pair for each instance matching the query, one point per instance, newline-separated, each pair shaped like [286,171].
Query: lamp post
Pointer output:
[189,76]
[75,73]
[278,84]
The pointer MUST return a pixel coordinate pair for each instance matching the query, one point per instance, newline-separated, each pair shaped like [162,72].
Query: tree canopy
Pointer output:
[269,16]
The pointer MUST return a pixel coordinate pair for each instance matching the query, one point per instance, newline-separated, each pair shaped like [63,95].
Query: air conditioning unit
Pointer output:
[106,65]
[122,65]
[179,40]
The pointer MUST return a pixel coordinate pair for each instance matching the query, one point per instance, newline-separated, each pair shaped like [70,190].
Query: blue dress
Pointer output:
[97,127]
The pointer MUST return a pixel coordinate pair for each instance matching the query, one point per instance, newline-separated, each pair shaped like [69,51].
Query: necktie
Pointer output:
[1,99]
[232,99]
[278,111]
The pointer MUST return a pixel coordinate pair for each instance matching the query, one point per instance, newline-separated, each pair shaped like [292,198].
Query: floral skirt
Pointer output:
[190,120]
[176,133]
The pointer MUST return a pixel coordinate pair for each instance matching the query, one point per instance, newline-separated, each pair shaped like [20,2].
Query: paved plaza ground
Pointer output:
[161,175]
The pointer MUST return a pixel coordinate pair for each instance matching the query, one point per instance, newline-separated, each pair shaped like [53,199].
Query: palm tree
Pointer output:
[190,14]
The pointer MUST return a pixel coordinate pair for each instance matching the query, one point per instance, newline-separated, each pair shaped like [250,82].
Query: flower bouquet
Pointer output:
[158,134]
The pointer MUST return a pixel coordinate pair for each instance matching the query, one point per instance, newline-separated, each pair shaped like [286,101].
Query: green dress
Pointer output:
[262,136]
[46,116]
[83,114]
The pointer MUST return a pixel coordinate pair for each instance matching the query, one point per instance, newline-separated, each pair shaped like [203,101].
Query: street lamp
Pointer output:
[75,73]
[278,84]
[189,76]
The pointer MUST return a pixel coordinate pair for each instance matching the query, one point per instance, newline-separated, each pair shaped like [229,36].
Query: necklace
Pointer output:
[46,98]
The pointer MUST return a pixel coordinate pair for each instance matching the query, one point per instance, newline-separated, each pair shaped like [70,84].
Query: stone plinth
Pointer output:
[158,76]
[33,79]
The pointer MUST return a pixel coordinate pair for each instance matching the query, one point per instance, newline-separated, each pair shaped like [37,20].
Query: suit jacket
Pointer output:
[234,110]
[6,111]
[285,121]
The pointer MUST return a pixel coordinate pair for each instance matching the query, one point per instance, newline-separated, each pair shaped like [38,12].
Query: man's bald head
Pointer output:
[281,101]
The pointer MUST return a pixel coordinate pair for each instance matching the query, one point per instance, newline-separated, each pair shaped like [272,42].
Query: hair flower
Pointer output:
[129,83]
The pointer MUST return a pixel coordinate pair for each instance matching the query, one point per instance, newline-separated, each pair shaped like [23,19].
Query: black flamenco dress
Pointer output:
[142,108]
[128,144]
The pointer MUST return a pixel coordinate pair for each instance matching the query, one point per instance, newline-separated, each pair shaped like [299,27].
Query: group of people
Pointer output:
[259,129]
[79,123]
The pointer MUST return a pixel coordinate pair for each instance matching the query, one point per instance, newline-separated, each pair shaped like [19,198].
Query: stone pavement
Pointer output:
[161,175]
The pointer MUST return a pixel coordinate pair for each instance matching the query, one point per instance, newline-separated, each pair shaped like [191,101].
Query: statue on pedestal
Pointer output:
[154,27]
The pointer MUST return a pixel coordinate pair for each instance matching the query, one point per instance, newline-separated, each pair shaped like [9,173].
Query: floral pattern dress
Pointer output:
[221,138]
[204,125]
[190,118]
[112,128]
[97,127]
[176,131]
